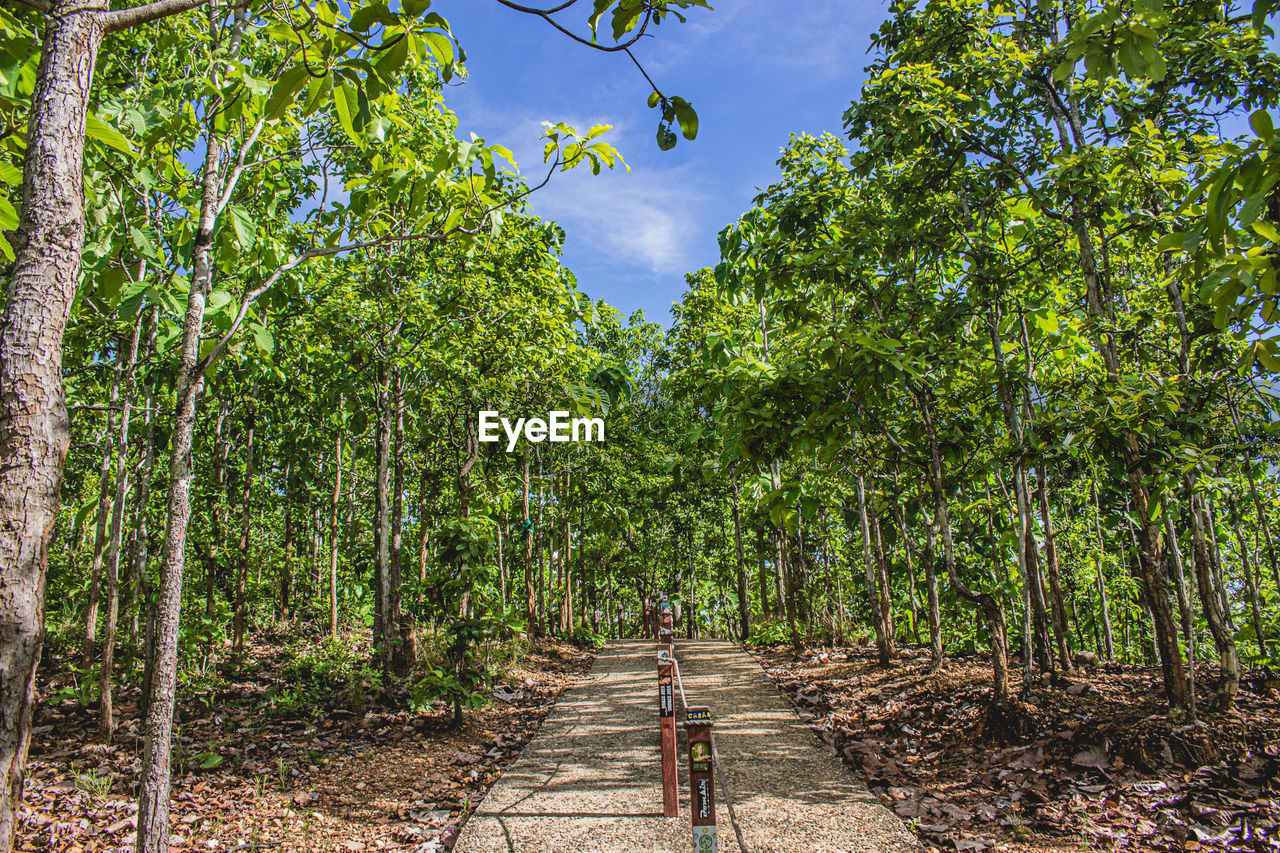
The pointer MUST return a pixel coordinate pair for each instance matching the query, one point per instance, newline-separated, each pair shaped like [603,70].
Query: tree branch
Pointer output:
[123,19]
[39,5]
[546,16]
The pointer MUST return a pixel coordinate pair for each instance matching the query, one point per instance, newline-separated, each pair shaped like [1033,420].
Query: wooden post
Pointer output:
[702,798]
[646,620]
[667,725]
[667,708]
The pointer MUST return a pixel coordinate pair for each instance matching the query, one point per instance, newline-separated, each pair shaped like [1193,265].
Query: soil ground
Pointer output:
[1108,767]
[384,779]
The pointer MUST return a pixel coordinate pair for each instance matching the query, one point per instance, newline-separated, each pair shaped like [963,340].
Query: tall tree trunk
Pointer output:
[931,590]
[221,450]
[424,524]
[530,593]
[106,719]
[472,451]
[104,513]
[1247,572]
[566,563]
[744,603]
[883,590]
[1211,603]
[884,648]
[762,575]
[1061,633]
[1108,640]
[1215,561]
[1184,610]
[401,658]
[246,513]
[333,520]
[34,429]
[543,616]
[384,629]
[286,574]
[153,794]
[140,553]
[1134,456]
[586,592]
[988,603]
[1263,521]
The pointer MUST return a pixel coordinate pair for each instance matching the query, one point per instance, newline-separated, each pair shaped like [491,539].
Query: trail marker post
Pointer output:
[667,713]
[702,798]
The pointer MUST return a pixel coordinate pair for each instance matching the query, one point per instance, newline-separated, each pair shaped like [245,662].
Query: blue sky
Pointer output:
[755,70]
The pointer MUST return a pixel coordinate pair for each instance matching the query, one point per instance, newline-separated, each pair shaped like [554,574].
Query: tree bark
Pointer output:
[882,591]
[931,585]
[1109,643]
[1061,632]
[762,575]
[333,522]
[1211,603]
[102,519]
[744,602]
[153,794]
[286,573]
[384,628]
[140,552]
[246,508]
[221,451]
[106,719]
[566,560]
[530,593]
[1247,572]
[401,656]
[34,428]
[1184,610]
[989,605]
[884,649]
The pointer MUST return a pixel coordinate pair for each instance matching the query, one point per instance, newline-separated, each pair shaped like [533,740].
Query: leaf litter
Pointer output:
[387,779]
[1105,768]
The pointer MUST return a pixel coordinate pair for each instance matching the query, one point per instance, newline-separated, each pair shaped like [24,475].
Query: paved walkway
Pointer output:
[590,782]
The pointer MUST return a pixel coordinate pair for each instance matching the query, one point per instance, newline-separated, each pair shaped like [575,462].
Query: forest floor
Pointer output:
[250,778]
[1108,768]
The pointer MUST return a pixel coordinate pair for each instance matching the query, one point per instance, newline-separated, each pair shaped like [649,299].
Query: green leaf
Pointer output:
[8,215]
[687,117]
[262,336]
[285,90]
[1266,229]
[10,174]
[1262,125]
[441,48]
[244,226]
[146,243]
[99,131]
[346,103]
[666,139]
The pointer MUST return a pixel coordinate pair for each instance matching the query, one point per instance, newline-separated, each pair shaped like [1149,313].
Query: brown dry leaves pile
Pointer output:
[1107,769]
[388,779]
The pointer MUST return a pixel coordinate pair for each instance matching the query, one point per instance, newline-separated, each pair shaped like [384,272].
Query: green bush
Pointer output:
[769,634]
[319,674]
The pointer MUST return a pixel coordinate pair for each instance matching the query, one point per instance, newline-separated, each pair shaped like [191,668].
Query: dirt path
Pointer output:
[590,781]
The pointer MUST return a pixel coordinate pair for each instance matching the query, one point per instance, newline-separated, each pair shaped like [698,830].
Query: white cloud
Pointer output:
[646,217]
